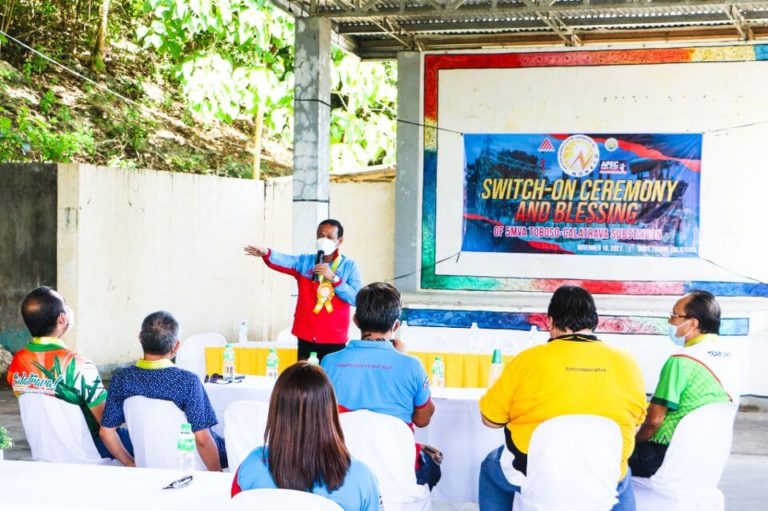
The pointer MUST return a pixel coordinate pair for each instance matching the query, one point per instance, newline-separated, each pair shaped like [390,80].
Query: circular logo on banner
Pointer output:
[578,155]
[611,144]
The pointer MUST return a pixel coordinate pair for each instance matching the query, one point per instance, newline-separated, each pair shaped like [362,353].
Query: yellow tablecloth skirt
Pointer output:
[461,369]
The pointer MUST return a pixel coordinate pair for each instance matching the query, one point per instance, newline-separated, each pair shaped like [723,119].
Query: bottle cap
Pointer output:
[496,357]
[272,350]
[186,427]
[313,354]
[228,345]
[438,358]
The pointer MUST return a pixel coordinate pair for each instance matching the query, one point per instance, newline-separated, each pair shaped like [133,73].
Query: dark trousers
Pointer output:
[125,438]
[427,471]
[307,347]
[647,458]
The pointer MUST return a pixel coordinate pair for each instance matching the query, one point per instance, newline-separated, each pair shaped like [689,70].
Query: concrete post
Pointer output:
[312,144]
[409,158]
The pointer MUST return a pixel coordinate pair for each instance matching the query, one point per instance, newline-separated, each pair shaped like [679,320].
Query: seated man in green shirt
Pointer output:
[703,372]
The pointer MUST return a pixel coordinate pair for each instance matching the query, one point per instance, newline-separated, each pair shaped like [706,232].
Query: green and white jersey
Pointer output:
[700,374]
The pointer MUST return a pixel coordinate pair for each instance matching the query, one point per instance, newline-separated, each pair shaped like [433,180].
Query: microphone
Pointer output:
[318,259]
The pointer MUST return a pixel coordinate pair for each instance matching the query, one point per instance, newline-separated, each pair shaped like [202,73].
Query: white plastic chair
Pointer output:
[57,431]
[687,479]
[285,339]
[244,425]
[386,445]
[154,426]
[425,339]
[573,464]
[286,500]
[191,354]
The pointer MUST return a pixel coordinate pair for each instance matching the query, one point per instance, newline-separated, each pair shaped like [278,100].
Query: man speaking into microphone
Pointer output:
[328,285]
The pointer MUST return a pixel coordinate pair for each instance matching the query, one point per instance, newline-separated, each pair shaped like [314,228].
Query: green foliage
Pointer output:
[5,439]
[228,61]
[30,138]
[234,59]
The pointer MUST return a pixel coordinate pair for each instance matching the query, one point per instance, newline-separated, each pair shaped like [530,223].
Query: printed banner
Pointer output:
[589,194]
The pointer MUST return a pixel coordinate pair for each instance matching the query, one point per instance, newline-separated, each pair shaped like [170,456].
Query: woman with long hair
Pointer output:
[305,445]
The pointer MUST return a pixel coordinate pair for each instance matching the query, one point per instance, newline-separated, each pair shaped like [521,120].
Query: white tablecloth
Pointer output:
[37,486]
[252,388]
[456,429]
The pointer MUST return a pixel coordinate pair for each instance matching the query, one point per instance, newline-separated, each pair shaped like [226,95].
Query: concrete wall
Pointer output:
[132,242]
[367,212]
[27,241]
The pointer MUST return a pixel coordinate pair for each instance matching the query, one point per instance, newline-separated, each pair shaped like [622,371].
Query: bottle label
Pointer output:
[186,444]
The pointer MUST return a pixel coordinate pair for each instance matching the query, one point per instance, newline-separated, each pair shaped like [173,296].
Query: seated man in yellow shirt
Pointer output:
[574,373]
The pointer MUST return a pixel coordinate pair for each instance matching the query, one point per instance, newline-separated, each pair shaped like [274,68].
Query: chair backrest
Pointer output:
[699,449]
[287,500]
[573,463]
[56,430]
[191,354]
[244,424]
[386,445]
[286,339]
[154,426]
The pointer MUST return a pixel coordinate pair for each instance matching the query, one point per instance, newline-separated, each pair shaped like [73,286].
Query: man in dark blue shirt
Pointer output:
[156,377]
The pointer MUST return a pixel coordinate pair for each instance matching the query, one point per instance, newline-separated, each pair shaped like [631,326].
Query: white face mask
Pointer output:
[326,246]
[672,333]
[70,317]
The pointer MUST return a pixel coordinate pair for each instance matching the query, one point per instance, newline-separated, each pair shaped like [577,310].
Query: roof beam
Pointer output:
[422,26]
[381,48]
[735,15]
[614,7]
[392,29]
[556,23]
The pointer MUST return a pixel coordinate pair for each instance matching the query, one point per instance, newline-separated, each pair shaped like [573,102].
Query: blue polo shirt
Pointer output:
[359,492]
[373,375]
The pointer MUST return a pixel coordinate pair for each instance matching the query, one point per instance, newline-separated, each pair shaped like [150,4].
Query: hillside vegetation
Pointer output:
[203,86]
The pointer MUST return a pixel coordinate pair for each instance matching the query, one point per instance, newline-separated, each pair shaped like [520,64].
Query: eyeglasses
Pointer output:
[675,316]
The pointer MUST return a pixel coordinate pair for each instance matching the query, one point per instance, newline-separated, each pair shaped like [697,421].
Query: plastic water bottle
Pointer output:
[497,366]
[242,336]
[273,362]
[229,363]
[186,449]
[438,375]
[313,360]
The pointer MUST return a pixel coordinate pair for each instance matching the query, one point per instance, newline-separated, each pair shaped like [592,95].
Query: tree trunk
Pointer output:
[100,49]
[257,131]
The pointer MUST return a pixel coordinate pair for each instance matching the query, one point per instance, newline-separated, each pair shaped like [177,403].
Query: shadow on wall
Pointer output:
[28,194]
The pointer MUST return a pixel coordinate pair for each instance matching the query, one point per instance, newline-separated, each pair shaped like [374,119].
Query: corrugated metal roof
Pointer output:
[379,29]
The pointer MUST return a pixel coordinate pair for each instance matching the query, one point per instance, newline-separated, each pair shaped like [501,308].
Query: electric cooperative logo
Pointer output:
[578,155]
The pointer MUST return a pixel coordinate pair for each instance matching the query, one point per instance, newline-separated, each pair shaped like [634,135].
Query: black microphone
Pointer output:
[318,259]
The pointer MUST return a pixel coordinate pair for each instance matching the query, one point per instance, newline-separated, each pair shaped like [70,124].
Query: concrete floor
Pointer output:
[744,482]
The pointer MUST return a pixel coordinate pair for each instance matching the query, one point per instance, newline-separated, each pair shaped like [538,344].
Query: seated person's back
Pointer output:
[46,365]
[372,373]
[156,377]
[703,372]
[306,447]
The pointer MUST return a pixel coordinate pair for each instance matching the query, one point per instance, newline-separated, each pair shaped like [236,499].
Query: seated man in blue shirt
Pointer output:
[375,373]
[156,377]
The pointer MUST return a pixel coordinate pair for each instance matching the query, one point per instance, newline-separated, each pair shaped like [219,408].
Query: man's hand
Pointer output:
[256,251]
[324,270]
